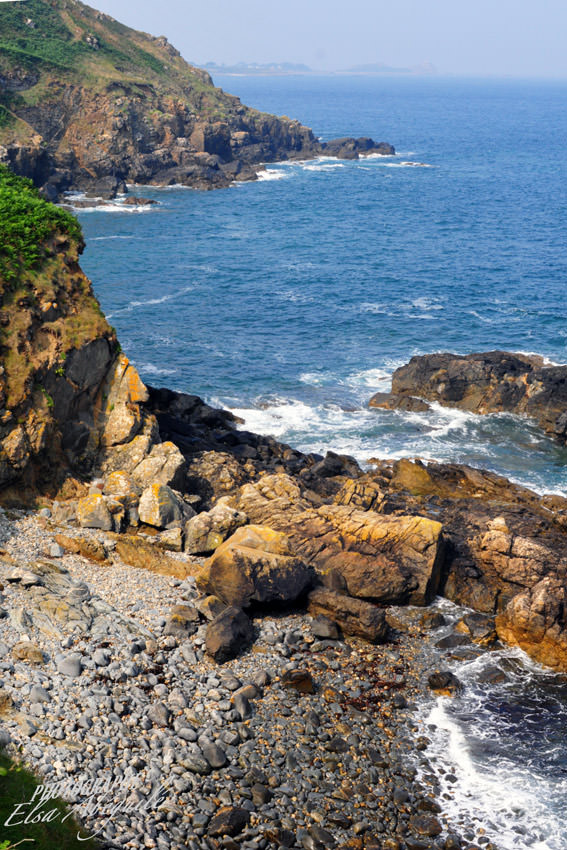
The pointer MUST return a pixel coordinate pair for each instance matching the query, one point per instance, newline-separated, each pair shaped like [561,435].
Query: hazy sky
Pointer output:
[496,37]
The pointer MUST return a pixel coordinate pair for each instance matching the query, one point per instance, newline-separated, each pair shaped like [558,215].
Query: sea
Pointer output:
[292,299]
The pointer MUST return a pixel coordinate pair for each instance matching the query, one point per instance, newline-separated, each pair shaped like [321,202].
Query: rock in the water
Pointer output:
[354,616]
[491,382]
[444,683]
[228,634]
[393,401]
[479,627]
[535,621]
[256,564]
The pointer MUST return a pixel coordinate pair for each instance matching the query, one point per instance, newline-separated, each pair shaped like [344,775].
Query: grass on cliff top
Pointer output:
[17,786]
[26,223]
[48,43]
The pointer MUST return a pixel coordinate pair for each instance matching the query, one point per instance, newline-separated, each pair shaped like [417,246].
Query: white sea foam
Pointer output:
[273,174]
[152,369]
[149,302]
[108,238]
[517,806]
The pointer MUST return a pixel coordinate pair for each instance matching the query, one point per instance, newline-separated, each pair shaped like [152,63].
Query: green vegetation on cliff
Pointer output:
[26,224]
[65,41]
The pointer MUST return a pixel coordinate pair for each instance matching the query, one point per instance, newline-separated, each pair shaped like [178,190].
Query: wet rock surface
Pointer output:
[490,382]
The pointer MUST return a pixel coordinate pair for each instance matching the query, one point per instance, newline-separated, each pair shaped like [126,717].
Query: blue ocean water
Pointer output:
[292,300]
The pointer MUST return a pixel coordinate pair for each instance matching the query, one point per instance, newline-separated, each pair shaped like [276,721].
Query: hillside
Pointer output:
[88,103]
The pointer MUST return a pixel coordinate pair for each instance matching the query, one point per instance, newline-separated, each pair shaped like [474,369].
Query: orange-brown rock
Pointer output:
[256,564]
[390,559]
[137,552]
[536,621]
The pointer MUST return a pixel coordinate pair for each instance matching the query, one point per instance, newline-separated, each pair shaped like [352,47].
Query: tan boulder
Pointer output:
[121,486]
[256,564]
[164,465]
[159,505]
[206,531]
[536,621]
[92,512]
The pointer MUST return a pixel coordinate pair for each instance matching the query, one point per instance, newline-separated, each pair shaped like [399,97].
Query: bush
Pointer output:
[26,223]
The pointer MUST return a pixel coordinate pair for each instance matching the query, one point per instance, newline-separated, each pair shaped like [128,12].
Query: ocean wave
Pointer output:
[513,791]
[151,302]
[273,174]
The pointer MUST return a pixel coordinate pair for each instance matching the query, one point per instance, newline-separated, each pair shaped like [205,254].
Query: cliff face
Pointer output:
[68,397]
[87,103]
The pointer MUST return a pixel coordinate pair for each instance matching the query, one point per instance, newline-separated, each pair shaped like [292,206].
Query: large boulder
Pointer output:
[256,564]
[387,559]
[536,621]
[354,616]
[228,634]
[206,531]
[160,505]
[93,512]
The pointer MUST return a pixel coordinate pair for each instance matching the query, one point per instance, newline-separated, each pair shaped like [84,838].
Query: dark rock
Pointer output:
[228,634]
[444,683]
[393,401]
[491,382]
[324,628]
[229,820]
[298,680]
[353,616]
[425,825]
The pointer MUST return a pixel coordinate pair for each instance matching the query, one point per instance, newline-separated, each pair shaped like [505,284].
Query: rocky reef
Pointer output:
[89,104]
[488,382]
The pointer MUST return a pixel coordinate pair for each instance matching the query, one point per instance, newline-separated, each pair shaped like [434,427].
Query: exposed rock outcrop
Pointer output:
[489,382]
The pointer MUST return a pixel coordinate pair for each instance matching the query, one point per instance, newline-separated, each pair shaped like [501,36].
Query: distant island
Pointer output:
[256,68]
[279,69]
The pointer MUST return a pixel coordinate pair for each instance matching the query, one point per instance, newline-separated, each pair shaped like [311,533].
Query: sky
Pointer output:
[519,38]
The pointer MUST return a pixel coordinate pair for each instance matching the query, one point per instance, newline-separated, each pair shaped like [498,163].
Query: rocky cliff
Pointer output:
[87,103]
[69,400]
[160,471]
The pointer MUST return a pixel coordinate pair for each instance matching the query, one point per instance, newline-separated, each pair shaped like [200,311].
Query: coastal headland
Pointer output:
[90,105]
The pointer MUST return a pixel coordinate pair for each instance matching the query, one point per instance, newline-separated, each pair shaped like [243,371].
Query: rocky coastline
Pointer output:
[89,105]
